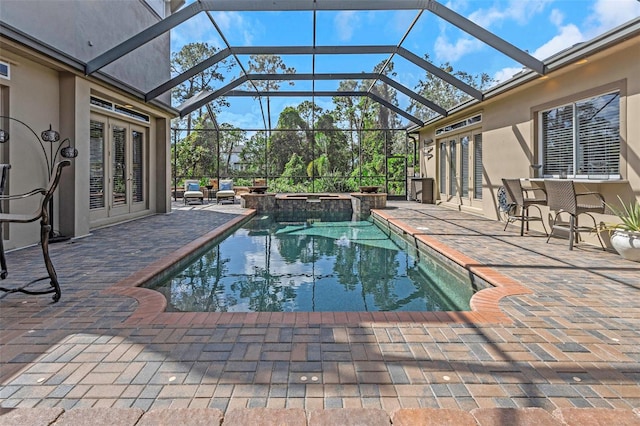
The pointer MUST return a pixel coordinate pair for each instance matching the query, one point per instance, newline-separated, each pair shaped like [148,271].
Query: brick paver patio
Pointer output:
[570,339]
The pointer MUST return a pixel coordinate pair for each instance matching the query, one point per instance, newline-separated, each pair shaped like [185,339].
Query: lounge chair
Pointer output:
[192,191]
[226,192]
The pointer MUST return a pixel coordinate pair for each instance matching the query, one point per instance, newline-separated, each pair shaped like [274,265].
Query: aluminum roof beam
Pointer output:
[315,5]
[283,5]
[320,93]
[208,96]
[191,72]
[487,37]
[440,73]
[431,5]
[309,5]
[143,37]
[337,50]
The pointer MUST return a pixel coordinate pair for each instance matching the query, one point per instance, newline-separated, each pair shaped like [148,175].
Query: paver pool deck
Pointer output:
[568,338]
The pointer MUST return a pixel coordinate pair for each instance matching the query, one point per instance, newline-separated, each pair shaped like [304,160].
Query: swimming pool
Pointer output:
[312,265]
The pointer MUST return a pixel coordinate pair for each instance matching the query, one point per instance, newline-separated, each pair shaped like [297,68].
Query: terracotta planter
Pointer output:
[627,243]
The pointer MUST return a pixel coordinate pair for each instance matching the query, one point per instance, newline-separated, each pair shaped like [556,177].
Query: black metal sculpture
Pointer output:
[42,213]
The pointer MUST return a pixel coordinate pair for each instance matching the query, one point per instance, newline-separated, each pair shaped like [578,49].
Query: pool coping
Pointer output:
[484,304]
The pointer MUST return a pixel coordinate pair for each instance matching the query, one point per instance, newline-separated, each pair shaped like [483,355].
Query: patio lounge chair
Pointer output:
[519,196]
[192,191]
[42,213]
[564,199]
[226,192]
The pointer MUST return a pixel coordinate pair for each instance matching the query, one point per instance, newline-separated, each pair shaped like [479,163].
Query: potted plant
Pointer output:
[626,235]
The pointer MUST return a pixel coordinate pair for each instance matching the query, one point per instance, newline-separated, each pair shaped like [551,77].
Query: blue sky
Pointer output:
[541,27]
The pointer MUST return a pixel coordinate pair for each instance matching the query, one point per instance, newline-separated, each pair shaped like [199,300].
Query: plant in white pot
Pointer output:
[626,235]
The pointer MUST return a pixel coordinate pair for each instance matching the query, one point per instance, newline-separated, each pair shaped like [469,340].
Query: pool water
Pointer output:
[312,266]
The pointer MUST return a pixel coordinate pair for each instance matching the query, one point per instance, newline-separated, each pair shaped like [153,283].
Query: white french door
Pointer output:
[118,168]
[460,168]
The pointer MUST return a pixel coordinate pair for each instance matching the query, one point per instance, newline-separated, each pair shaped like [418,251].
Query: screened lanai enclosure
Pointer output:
[356,98]
[298,160]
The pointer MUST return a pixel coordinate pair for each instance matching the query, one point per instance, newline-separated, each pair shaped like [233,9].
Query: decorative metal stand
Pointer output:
[68,151]
[45,229]
[45,210]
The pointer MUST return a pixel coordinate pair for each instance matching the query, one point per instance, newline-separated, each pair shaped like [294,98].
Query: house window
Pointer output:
[582,139]
[5,70]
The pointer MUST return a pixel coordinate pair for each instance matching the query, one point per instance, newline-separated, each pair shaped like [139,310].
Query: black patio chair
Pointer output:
[42,213]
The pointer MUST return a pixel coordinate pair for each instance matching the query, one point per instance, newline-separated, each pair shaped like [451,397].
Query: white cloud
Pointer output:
[520,11]
[505,74]
[450,52]
[196,29]
[556,17]
[567,36]
[608,14]
[346,22]
[234,22]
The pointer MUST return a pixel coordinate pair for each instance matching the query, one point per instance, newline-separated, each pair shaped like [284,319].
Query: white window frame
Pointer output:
[8,66]
[573,168]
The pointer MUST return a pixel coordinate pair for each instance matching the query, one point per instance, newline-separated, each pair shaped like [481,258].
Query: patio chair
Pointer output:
[519,196]
[562,198]
[192,191]
[42,213]
[226,192]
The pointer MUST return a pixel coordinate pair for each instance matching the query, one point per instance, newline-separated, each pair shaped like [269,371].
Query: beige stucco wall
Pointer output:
[39,96]
[84,29]
[509,127]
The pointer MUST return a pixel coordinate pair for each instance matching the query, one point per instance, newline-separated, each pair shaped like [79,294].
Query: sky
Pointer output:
[540,27]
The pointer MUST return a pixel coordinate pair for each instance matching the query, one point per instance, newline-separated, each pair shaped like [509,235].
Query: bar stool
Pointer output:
[516,195]
[562,198]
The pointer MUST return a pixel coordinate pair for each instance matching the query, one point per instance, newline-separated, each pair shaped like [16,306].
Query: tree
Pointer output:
[444,94]
[269,64]
[253,154]
[190,55]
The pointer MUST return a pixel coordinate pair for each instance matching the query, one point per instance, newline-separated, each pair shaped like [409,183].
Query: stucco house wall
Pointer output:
[509,125]
[45,44]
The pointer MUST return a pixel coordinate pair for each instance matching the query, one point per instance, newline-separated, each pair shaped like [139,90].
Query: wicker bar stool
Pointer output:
[562,198]
[518,196]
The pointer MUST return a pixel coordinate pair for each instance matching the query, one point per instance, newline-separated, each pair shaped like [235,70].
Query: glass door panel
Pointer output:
[119,187]
[96,165]
[452,168]
[464,167]
[443,168]
[137,177]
